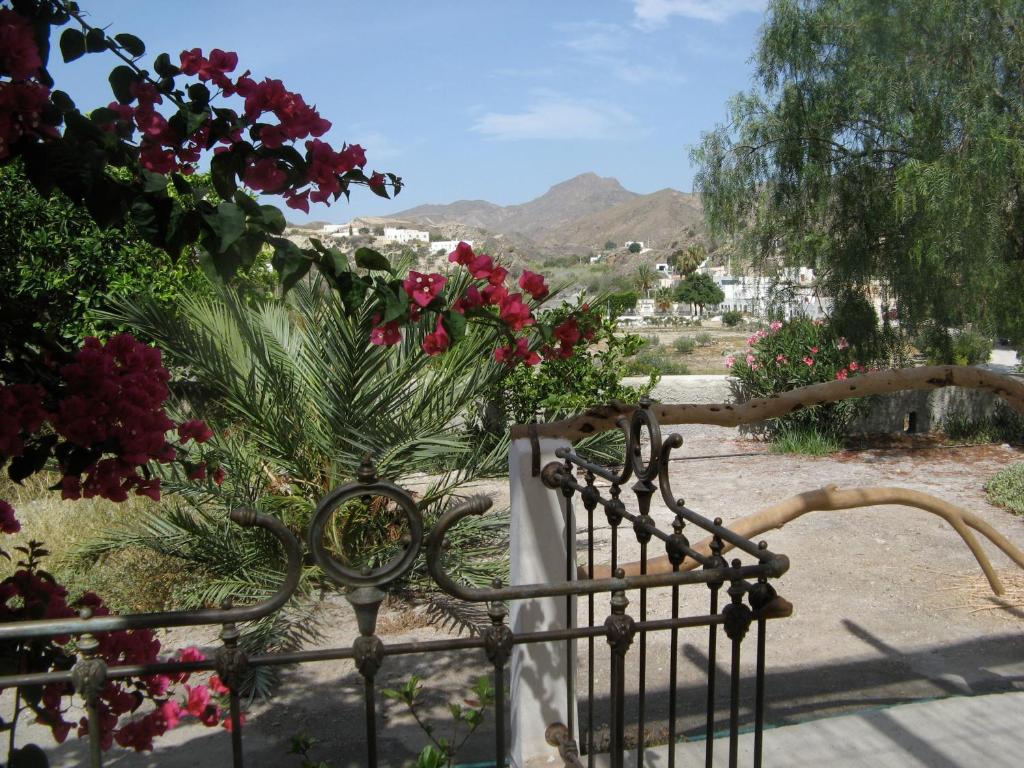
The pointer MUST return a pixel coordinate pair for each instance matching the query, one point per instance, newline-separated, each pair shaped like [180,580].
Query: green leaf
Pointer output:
[272,218]
[62,101]
[227,222]
[223,171]
[247,204]
[395,306]
[153,182]
[121,79]
[455,325]
[72,44]
[338,260]
[103,115]
[199,94]
[163,67]
[131,43]
[29,756]
[95,40]
[367,258]
[291,263]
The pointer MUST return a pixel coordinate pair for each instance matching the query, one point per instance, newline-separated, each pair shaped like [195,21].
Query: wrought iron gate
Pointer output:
[612,639]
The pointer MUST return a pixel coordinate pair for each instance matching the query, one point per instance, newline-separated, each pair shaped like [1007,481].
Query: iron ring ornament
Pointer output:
[367,485]
[644,419]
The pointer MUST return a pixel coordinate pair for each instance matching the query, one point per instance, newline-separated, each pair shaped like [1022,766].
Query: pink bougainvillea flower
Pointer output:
[854,366]
[423,289]
[814,350]
[841,374]
[386,335]
[751,359]
[494,294]
[198,699]
[463,254]
[781,359]
[843,343]
[470,300]
[481,267]
[515,313]
[568,332]
[515,353]
[809,361]
[776,326]
[195,429]
[533,284]
[437,342]
[265,175]
[8,522]
[730,361]
[218,475]
[19,55]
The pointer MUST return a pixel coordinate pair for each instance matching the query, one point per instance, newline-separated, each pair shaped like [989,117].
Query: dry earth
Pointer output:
[888,609]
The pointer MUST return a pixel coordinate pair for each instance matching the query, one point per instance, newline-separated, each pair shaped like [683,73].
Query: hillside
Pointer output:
[556,209]
[659,219]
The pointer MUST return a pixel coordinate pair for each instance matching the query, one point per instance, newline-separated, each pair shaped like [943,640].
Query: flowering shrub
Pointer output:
[32,593]
[791,355]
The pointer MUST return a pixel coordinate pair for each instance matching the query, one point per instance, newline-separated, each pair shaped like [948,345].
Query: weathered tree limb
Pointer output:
[603,419]
[832,498]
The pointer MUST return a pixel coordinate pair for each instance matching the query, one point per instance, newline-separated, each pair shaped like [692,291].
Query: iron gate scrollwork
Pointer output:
[749,600]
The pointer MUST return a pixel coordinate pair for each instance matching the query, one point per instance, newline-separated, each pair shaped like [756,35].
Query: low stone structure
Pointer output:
[911,411]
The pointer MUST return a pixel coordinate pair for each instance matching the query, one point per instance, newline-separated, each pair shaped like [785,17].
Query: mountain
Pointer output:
[576,216]
[658,219]
[561,205]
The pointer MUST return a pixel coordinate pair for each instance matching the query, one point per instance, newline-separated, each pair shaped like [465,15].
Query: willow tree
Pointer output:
[883,145]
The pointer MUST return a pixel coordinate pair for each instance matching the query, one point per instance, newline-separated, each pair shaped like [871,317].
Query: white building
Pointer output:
[405,236]
[447,246]
[645,307]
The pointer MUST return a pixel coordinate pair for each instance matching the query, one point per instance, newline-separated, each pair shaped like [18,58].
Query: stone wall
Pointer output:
[920,410]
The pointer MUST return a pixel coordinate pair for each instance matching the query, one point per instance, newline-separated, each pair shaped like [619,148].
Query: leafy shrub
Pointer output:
[1006,489]
[684,345]
[651,340]
[795,354]
[654,362]
[732,318]
[1004,425]
[959,347]
[804,440]
[703,338]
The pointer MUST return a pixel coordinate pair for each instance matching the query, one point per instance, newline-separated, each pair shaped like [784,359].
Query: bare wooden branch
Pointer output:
[733,415]
[832,498]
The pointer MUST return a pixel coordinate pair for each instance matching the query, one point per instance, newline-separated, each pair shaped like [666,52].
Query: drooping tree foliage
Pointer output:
[883,145]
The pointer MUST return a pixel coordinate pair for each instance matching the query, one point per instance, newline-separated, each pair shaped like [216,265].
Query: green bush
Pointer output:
[795,354]
[732,318]
[704,338]
[684,345]
[804,440]
[651,340]
[959,347]
[1006,489]
[651,361]
[1004,426]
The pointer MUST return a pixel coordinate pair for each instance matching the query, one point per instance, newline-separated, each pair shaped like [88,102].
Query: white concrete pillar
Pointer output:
[542,673]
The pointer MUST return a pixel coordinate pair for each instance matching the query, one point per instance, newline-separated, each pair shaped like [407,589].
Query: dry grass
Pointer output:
[131,580]
[970,592]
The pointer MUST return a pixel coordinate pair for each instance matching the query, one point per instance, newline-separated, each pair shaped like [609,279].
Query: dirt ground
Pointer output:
[889,608]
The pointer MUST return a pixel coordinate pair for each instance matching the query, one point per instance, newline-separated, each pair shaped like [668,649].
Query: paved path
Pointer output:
[957,732]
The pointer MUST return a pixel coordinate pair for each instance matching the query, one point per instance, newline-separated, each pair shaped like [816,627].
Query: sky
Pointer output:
[472,100]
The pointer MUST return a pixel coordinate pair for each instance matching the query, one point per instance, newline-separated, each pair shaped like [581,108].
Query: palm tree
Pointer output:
[663,299]
[297,396]
[644,278]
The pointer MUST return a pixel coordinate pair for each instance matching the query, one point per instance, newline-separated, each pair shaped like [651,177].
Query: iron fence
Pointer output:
[748,601]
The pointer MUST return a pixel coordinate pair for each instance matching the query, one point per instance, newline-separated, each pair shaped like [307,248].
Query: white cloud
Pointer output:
[655,13]
[557,118]
[594,37]
[642,74]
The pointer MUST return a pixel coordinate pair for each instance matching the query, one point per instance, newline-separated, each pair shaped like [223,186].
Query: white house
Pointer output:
[645,307]
[405,236]
[447,246]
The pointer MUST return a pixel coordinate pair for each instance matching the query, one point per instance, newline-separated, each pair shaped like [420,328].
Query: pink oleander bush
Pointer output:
[792,354]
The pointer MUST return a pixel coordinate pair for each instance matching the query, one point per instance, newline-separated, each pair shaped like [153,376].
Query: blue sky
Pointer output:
[466,100]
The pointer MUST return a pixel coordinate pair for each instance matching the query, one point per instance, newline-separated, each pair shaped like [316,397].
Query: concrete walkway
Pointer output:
[958,732]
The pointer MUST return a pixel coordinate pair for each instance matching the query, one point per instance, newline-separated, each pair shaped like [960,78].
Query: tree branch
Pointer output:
[832,498]
[604,418]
